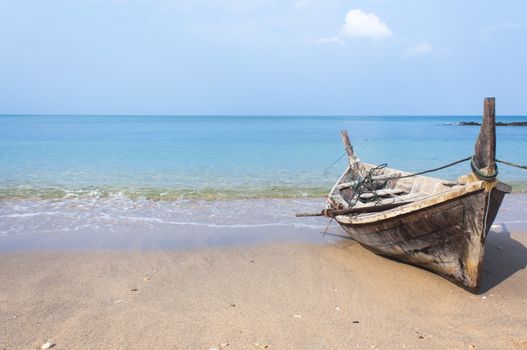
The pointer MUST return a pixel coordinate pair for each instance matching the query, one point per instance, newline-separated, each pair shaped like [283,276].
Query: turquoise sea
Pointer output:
[211,157]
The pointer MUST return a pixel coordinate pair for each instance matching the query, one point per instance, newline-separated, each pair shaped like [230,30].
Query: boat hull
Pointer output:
[447,238]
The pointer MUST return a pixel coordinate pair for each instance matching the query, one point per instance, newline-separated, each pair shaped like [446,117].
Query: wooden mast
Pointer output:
[348,147]
[485,150]
[354,162]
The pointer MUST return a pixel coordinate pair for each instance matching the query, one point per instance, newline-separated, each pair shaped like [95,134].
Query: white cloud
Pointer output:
[366,25]
[358,24]
[299,4]
[419,50]
[423,49]
[329,40]
[502,26]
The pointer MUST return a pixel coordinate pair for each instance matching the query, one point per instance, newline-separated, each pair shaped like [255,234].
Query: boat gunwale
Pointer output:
[410,208]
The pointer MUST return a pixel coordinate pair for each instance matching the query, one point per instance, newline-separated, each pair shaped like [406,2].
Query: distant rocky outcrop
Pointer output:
[497,124]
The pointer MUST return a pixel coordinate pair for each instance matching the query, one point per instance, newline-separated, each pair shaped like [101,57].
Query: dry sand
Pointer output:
[279,296]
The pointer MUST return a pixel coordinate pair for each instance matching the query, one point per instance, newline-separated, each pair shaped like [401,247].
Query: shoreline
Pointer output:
[122,224]
[58,193]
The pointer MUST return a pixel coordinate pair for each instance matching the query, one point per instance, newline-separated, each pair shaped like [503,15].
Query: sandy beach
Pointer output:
[326,295]
[224,175]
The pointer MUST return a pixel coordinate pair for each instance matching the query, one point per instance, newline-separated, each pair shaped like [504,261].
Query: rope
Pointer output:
[367,184]
[473,166]
[479,174]
[430,170]
[511,164]
[335,162]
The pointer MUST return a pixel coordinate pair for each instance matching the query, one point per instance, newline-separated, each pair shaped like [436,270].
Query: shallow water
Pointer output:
[122,223]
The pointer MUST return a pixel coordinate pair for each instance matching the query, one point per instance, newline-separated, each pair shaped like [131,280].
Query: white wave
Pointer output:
[514,222]
[214,225]
[50,213]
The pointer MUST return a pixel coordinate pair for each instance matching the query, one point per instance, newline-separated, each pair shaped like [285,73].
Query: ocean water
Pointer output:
[223,157]
[127,182]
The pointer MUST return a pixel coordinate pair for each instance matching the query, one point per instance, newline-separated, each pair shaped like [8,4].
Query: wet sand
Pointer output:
[279,295]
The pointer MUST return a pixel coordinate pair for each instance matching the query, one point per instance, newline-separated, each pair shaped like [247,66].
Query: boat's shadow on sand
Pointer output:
[504,256]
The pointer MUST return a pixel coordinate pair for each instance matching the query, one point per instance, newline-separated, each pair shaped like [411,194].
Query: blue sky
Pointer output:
[302,57]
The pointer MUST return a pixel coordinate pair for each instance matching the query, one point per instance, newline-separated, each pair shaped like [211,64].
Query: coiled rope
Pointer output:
[479,174]
[368,184]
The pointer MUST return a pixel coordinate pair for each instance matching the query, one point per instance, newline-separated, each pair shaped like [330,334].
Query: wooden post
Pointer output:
[485,150]
[349,148]
[357,169]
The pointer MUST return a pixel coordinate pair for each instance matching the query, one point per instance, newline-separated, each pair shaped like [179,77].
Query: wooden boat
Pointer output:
[436,224]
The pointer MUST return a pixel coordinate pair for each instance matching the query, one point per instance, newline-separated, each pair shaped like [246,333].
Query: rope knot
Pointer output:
[481,175]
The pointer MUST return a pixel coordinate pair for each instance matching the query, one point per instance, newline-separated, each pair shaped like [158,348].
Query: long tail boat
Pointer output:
[433,223]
